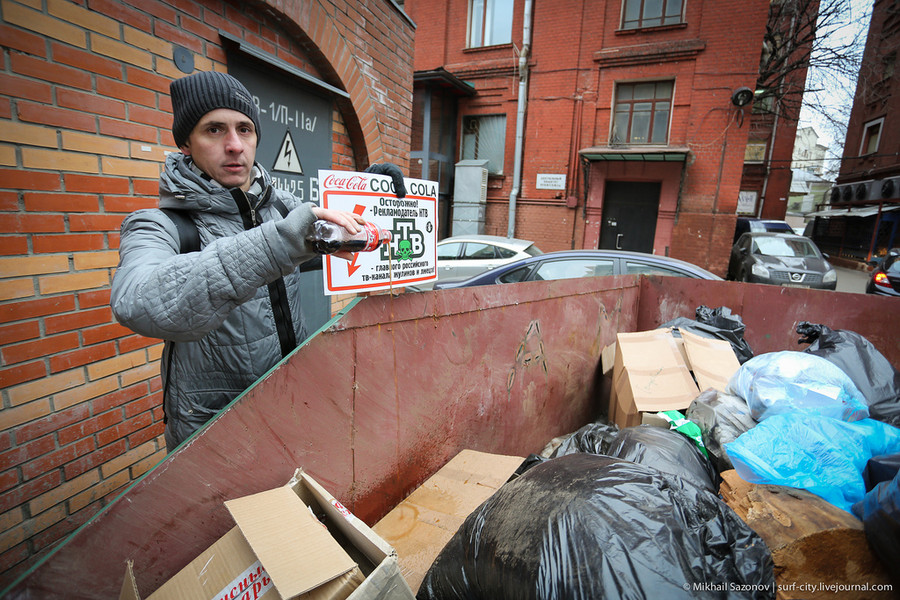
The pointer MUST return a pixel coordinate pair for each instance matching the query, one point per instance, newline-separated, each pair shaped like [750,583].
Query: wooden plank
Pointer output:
[815,545]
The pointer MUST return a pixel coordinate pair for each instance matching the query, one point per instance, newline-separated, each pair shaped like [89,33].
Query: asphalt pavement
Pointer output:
[851,280]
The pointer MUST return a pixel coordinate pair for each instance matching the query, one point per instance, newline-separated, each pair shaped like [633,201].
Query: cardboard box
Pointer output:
[420,526]
[656,371]
[650,375]
[712,361]
[290,542]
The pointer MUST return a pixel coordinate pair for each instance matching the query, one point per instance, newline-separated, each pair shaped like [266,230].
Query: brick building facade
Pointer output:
[593,172]
[862,219]
[85,123]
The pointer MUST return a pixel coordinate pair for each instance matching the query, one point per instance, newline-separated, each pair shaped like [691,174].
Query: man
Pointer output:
[230,311]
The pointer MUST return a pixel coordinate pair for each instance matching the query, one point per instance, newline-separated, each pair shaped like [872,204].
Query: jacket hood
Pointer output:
[180,187]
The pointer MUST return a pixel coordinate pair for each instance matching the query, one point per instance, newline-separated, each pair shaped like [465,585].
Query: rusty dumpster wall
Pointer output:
[771,313]
[390,391]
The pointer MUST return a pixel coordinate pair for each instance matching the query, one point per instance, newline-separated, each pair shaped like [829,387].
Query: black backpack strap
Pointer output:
[279,205]
[188,241]
[188,236]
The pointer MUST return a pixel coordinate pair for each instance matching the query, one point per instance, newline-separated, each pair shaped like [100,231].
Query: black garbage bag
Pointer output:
[717,323]
[880,468]
[722,418]
[532,460]
[878,381]
[879,511]
[665,450]
[584,527]
[594,438]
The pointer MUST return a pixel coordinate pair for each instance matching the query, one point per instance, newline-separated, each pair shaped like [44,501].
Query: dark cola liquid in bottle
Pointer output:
[327,237]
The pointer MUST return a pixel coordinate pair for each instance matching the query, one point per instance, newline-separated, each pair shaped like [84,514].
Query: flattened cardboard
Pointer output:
[712,361]
[298,552]
[420,526]
[650,375]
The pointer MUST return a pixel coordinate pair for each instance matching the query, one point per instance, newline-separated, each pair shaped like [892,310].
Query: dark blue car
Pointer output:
[885,278]
[571,264]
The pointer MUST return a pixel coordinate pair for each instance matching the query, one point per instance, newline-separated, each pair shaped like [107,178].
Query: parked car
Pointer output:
[570,264]
[784,259]
[885,279]
[748,224]
[463,256]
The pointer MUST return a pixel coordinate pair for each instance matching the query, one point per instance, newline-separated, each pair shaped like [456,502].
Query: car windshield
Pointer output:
[776,246]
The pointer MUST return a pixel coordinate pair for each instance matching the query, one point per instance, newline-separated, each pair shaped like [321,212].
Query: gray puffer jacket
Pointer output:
[223,310]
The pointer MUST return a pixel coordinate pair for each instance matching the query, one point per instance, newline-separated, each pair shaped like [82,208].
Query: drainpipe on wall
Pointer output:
[789,51]
[520,119]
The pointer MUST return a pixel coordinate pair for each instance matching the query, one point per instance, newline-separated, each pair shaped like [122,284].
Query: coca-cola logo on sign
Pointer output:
[353,183]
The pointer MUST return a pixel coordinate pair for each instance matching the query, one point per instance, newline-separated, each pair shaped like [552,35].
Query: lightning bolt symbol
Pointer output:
[287,154]
[352,268]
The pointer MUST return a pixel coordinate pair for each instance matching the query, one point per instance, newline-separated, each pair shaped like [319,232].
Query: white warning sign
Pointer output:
[410,257]
[287,160]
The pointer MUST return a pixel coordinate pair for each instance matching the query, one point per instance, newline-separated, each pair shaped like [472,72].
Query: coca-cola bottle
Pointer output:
[327,237]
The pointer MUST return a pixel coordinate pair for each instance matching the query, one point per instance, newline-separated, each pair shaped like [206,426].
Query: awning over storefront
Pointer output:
[645,153]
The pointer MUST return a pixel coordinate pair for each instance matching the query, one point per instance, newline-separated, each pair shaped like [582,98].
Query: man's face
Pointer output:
[223,145]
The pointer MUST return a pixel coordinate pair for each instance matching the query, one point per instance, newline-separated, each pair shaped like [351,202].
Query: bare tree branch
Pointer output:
[808,59]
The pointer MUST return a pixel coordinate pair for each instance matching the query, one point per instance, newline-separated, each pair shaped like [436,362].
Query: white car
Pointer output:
[467,255]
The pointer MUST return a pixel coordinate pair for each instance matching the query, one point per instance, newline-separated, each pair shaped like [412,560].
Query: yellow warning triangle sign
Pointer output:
[287,160]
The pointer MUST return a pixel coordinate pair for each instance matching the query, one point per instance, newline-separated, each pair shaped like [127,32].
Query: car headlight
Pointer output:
[830,276]
[759,270]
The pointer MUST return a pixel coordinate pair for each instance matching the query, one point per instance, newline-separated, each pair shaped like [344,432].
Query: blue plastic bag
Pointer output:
[880,513]
[797,382]
[822,455]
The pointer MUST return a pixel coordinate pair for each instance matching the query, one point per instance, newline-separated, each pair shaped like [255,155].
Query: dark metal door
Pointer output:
[295,142]
[629,216]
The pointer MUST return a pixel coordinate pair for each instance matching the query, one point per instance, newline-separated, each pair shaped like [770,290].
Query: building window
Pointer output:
[887,66]
[642,113]
[637,14]
[490,22]
[871,136]
[484,138]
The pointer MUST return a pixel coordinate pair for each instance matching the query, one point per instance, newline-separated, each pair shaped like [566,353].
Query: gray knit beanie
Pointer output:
[195,95]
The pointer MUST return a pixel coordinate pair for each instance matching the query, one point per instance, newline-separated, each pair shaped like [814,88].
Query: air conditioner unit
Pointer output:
[862,190]
[842,193]
[835,196]
[889,188]
[866,190]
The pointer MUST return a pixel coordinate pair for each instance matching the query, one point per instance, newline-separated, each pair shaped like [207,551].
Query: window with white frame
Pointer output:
[490,22]
[642,113]
[484,138]
[637,14]
[871,136]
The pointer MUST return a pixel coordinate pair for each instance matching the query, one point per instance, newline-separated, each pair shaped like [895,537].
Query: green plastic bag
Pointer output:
[685,427]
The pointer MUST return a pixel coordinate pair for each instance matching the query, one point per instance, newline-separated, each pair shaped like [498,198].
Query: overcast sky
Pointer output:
[840,92]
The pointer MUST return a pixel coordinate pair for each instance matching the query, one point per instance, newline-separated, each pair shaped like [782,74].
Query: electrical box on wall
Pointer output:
[469,197]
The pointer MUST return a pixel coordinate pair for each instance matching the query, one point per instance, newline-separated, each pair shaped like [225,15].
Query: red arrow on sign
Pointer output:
[351,267]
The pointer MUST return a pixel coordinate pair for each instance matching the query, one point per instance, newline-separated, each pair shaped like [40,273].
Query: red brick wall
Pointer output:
[84,123]
[575,61]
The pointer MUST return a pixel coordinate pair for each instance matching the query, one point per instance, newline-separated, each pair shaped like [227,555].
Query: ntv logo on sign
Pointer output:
[407,242]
